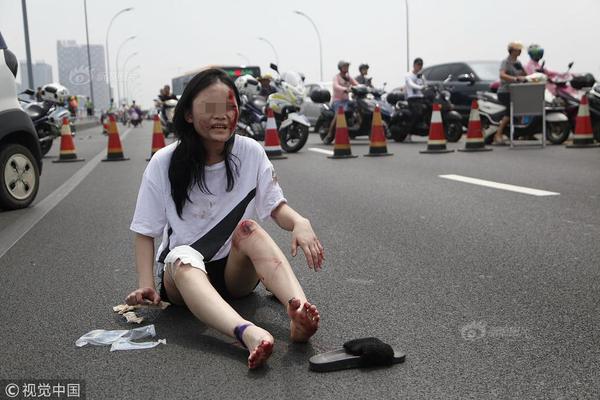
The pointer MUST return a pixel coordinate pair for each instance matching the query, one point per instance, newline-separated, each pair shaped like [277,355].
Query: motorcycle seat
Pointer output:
[489,96]
[36,111]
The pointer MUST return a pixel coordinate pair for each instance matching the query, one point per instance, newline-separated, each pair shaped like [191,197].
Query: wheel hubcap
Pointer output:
[19,177]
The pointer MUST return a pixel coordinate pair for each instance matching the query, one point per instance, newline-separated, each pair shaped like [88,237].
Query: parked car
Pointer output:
[467,78]
[20,153]
[310,109]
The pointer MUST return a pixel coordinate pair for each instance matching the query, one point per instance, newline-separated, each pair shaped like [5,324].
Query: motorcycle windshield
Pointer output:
[292,78]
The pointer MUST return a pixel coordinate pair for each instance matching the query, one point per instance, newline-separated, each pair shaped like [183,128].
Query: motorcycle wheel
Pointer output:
[453,131]
[45,146]
[293,137]
[399,131]
[322,128]
[557,132]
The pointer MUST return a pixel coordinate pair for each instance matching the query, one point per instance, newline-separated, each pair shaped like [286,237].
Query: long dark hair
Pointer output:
[189,157]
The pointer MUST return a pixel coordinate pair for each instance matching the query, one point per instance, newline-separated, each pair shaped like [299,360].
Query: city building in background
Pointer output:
[42,74]
[73,71]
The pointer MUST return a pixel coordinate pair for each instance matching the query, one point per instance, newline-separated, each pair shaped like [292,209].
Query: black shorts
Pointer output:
[216,275]
[504,99]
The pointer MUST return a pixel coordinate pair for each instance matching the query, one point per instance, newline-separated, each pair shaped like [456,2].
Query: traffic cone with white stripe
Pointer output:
[474,135]
[115,150]
[436,143]
[583,137]
[341,148]
[67,146]
[377,142]
[272,143]
[158,138]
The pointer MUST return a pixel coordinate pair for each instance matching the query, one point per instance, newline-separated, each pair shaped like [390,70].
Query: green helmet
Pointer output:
[536,52]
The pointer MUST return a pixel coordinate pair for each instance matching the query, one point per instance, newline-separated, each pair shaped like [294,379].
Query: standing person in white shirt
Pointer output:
[415,83]
[203,194]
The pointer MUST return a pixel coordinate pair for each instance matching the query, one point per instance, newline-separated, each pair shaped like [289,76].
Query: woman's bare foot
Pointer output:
[304,320]
[260,344]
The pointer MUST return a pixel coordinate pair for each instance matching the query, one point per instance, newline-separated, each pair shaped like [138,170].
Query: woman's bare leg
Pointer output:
[254,255]
[499,137]
[190,285]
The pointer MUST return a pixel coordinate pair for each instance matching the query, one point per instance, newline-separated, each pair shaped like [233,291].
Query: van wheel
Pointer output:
[19,177]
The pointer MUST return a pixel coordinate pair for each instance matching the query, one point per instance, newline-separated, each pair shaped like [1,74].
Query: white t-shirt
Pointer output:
[255,194]
[414,85]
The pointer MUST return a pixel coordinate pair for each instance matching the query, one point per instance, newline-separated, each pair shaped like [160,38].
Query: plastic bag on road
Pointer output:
[120,339]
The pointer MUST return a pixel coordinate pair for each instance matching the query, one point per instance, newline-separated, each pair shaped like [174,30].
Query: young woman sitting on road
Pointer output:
[202,194]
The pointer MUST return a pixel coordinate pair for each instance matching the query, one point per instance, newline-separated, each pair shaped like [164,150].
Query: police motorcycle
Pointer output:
[359,112]
[252,120]
[285,103]
[47,116]
[416,119]
[491,112]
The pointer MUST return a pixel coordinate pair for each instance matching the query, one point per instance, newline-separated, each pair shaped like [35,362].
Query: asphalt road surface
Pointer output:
[490,293]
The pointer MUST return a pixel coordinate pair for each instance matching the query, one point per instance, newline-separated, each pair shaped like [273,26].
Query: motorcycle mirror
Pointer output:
[571,64]
[543,64]
[274,67]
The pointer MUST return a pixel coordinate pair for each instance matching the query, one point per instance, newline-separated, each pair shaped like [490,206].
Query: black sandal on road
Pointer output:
[357,353]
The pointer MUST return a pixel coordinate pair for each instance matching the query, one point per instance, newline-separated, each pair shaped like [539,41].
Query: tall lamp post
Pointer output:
[407,54]
[130,38]
[87,38]
[318,36]
[126,85]
[27,46]
[244,57]
[272,47]
[106,45]
[127,60]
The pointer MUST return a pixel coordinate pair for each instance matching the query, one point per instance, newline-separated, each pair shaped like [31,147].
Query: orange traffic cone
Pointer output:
[67,147]
[341,149]
[158,138]
[583,137]
[272,143]
[377,142]
[115,150]
[474,135]
[436,143]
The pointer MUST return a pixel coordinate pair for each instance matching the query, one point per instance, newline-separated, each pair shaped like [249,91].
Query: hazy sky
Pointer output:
[181,35]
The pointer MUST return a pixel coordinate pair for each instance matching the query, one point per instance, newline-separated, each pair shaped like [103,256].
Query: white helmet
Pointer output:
[248,85]
[55,92]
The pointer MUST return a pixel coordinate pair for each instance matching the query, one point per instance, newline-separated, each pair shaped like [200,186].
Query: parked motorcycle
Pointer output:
[594,98]
[359,112]
[252,119]
[166,112]
[47,117]
[416,119]
[491,112]
[285,103]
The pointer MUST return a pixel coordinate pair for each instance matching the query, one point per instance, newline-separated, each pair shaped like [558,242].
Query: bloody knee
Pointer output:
[244,230]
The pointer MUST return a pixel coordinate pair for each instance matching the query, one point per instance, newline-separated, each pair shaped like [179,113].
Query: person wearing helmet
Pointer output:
[362,78]
[511,71]
[342,82]
[265,83]
[536,53]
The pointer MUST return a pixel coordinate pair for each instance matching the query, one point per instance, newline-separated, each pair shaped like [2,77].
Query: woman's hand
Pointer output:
[142,296]
[304,237]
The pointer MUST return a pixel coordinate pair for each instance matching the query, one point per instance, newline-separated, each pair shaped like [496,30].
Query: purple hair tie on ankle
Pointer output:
[238,331]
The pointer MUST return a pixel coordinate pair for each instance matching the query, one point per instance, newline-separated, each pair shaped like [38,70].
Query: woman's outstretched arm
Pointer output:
[144,260]
[303,235]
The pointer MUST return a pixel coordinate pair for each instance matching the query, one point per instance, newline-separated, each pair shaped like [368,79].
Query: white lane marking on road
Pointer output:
[14,232]
[497,185]
[322,151]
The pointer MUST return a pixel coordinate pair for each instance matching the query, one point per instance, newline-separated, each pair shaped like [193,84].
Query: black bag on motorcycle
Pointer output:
[583,81]
[320,96]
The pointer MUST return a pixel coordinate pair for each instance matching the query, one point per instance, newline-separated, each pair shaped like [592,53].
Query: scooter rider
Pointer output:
[415,83]
[536,53]
[511,71]
[342,82]
[363,77]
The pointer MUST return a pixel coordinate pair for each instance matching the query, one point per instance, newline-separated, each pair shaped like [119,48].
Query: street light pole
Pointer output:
[107,52]
[27,47]
[117,66]
[407,42]
[318,36]
[244,57]
[272,47]
[127,60]
[87,37]
[126,85]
